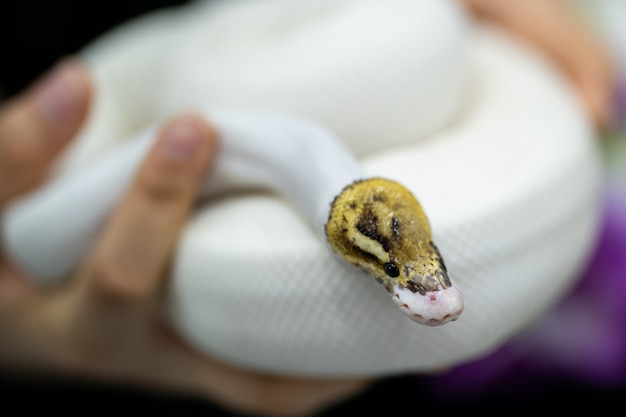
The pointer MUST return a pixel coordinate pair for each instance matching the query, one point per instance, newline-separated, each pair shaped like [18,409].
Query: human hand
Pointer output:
[104,323]
[554,28]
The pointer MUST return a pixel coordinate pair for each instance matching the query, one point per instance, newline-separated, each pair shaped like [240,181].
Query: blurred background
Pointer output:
[576,355]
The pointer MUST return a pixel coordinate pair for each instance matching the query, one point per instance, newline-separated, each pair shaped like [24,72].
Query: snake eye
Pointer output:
[391,269]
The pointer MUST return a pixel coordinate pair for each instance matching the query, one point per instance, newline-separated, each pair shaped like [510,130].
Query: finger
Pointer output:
[584,59]
[595,80]
[36,125]
[130,259]
[554,28]
[111,304]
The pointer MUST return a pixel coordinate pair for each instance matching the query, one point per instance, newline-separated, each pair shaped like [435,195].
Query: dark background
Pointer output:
[36,34]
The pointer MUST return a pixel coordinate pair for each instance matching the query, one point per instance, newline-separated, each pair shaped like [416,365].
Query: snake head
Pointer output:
[379,227]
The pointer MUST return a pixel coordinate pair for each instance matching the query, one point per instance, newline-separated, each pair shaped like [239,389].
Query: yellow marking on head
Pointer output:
[368,245]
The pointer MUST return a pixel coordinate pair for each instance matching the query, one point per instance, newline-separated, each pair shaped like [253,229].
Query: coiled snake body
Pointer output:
[458,116]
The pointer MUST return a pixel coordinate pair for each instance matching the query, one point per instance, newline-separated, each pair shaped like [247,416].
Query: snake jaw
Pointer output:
[432,308]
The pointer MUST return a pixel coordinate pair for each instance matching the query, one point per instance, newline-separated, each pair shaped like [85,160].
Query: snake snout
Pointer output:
[433,308]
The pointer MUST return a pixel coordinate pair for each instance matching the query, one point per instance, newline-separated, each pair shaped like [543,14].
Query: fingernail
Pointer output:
[182,141]
[58,95]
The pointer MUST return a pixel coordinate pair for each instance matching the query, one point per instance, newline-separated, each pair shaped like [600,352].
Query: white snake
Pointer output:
[509,191]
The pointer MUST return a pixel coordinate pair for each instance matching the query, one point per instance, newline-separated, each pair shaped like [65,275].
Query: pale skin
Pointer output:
[103,323]
[554,28]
